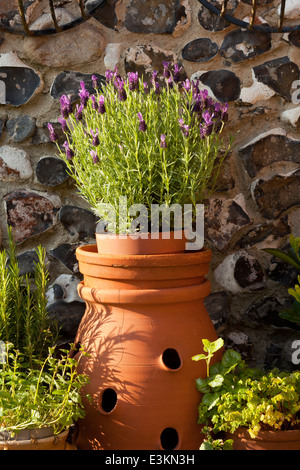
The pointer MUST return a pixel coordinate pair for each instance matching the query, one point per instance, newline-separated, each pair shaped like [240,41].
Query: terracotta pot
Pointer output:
[266,440]
[144,320]
[157,243]
[36,439]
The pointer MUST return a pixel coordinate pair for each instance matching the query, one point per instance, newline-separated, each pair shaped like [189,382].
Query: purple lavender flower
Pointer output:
[53,135]
[163,143]
[133,78]
[94,155]
[64,125]
[184,127]
[101,105]
[119,84]
[154,75]
[145,85]
[68,150]
[83,94]
[109,75]
[208,117]
[156,88]
[95,81]
[65,106]
[94,103]
[95,136]
[170,82]
[166,72]
[224,112]
[186,85]
[78,113]
[176,73]
[142,125]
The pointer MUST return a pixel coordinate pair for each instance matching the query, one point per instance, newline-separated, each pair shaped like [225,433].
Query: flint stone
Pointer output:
[76,46]
[240,272]
[151,16]
[18,82]
[200,50]
[64,288]
[68,83]
[291,116]
[224,218]
[279,75]
[273,146]
[30,213]
[63,17]
[240,45]
[106,15]
[21,128]
[266,312]
[212,22]
[66,254]
[294,38]
[276,195]
[51,171]
[282,272]
[262,232]
[79,222]
[14,164]
[217,306]
[225,85]
[42,135]
[67,316]
[26,262]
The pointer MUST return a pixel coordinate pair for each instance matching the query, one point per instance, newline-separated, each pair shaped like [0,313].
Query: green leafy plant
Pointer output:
[157,143]
[235,395]
[46,395]
[292,257]
[24,318]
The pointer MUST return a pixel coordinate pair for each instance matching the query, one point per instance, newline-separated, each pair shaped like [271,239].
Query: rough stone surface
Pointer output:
[240,45]
[291,116]
[266,312]
[224,84]
[26,262]
[68,83]
[65,253]
[64,288]
[152,16]
[279,75]
[30,213]
[78,222]
[21,127]
[294,38]
[67,316]
[200,50]
[51,171]
[240,272]
[256,92]
[265,234]
[15,164]
[268,148]
[218,308]
[278,194]
[224,218]
[76,46]
[106,15]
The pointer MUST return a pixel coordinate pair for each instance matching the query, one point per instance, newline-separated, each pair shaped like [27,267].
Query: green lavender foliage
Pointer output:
[134,164]
[23,304]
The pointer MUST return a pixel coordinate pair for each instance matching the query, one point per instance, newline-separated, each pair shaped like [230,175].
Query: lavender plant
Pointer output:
[157,143]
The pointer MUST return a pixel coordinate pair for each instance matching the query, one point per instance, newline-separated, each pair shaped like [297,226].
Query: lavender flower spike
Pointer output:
[68,150]
[95,81]
[163,143]
[83,94]
[133,78]
[166,72]
[53,135]
[176,73]
[101,105]
[65,106]
[142,125]
[78,114]
[94,155]
[64,125]
[95,135]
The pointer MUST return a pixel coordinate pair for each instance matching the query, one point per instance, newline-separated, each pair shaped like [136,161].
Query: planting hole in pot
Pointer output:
[171,359]
[108,400]
[169,439]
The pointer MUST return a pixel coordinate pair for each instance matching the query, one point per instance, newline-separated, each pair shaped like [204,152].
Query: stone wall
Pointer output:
[257,205]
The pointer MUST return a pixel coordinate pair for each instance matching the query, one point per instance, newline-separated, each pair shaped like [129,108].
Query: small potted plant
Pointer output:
[40,386]
[144,155]
[256,409]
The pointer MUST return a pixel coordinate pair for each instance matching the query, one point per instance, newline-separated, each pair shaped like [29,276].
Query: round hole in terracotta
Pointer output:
[171,359]
[169,439]
[108,400]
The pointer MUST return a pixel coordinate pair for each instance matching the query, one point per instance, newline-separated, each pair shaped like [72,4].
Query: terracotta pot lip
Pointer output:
[90,255]
[137,236]
[144,296]
[270,435]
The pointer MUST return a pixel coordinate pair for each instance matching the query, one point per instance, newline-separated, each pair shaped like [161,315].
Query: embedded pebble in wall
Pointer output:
[51,171]
[225,85]
[240,272]
[112,55]
[64,288]
[26,262]
[266,312]
[294,38]
[267,148]
[212,22]
[291,116]
[67,317]
[30,213]
[106,15]
[15,164]
[275,195]
[256,92]
[151,16]
[240,45]
[65,253]
[200,50]
[45,21]
[21,127]
[68,83]
[78,222]
[279,75]
[18,82]
[217,306]
[292,9]
[224,218]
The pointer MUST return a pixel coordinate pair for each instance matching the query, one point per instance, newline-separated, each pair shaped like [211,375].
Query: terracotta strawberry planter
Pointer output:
[144,320]
[266,440]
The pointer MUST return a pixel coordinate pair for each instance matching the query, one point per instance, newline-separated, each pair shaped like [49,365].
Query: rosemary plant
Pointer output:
[157,143]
